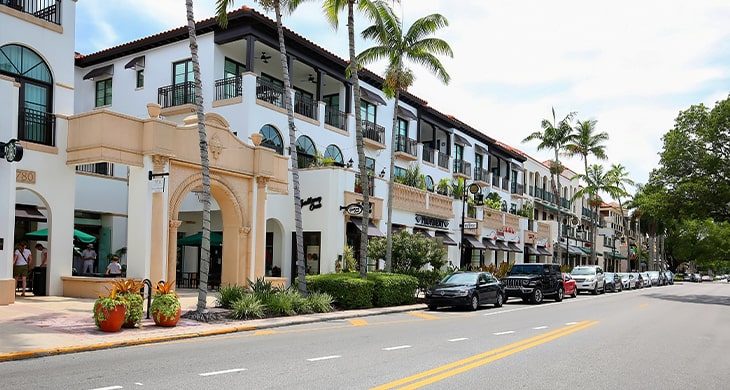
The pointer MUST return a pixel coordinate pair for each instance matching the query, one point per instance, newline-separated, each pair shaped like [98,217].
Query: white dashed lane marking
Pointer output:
[396,348]
[459,339]
[324,358]
[503,333]
[222,372]
[539,327]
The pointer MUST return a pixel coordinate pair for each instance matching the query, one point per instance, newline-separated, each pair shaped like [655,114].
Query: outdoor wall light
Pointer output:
[382,173]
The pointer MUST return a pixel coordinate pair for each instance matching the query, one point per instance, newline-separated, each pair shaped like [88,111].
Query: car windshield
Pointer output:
[654,274]
[623,275]
[460,279]
[520,269]
[583,271]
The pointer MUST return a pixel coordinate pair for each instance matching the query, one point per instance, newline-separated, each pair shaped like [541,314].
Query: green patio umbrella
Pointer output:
[216,238]
[42,235]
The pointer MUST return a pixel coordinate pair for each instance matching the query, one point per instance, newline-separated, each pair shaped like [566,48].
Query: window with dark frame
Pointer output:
[402,136]
[140,78]
[103,92]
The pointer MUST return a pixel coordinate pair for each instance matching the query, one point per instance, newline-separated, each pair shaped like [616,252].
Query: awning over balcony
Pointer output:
[489,244]
[480,149]
[447,239]
[29,212]
[103,71]
[406,113]
[461,140]
[514,247]
[372,96]
[473,242]
[373,230]
[136,63]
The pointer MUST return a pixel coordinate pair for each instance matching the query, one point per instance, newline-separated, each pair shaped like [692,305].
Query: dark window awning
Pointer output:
[406,113]
[473,242]
[373,230]
[531,250]
[489,244]
[461,140]
[543,251]
[447,239]
[425,232]
[615,255]
[29,212]
[573,250]
[372,96]
[103,71]
[502,246]
[136,63]
[480,149]
[514,247]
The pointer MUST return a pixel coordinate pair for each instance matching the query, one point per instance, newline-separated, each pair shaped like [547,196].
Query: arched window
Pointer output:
[429,183]
[272,139]
[36,123]
[334,153]
[306,152]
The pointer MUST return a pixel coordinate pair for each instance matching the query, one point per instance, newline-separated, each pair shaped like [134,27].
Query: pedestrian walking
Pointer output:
[44,254]
[21,264]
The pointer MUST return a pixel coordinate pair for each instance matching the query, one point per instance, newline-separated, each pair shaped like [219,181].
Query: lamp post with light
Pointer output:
[476,190]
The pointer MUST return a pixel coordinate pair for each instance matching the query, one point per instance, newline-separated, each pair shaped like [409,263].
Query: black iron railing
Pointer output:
[406,145]
[270,93]
[373,131]
[228,88]
[443,160]
[48,10]
[176,94]
[334,117]
[428,154]
[102,168]
[37,126]
[306,106]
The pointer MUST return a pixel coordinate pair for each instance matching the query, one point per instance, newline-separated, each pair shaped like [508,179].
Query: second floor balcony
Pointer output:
[373,135]
[443,160]
[228,88]
[406,148]
[48,10]
[37,126]
[462,169]
[176,94]
[336,118]
[428,154]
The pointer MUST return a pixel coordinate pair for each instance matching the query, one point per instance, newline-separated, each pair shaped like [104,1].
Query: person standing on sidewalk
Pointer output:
[88,256]
[114,268]
[21,264]
[44,254]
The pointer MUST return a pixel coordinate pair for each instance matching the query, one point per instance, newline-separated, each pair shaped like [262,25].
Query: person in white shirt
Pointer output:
[88,256]
[21,265]
[114,268]
[44,254]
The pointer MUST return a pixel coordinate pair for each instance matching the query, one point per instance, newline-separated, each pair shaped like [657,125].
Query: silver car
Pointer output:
[589,278]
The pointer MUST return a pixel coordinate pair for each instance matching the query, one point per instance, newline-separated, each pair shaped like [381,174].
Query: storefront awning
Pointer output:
[513,247]
[447,239]
[502,246]
[373,230]
[615,255]
[474,242]
[531,250]
[372,96]
[425,232]
[543,251]
[102,71]
[489,244]
[573,250]
[29,212]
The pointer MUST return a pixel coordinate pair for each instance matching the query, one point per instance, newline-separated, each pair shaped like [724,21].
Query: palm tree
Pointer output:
[620,177]
[396,47]
[555,136]
[200,313]
[332,9]
[596,182]
[277,6]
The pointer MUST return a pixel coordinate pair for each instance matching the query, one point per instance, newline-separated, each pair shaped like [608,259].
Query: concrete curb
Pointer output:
[268,323]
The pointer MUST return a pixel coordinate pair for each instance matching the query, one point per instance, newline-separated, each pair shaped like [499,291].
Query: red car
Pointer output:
[569,285]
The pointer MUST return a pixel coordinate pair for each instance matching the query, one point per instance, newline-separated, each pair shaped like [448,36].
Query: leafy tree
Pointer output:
[411,251]
[278,6]
[620,178]
[397,47]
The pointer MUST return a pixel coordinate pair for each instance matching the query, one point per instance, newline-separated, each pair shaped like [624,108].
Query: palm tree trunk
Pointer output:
[556,191]
[389,233]
[364,178]
[205,245]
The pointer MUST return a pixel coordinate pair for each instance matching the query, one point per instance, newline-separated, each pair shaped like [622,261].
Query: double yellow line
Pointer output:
[451,369]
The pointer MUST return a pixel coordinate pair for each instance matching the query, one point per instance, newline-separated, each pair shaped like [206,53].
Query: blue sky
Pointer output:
[630,65]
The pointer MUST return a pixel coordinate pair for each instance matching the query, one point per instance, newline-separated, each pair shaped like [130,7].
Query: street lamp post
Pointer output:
[474,189]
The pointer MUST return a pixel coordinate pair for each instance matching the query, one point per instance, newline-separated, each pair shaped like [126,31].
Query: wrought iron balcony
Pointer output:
[176,94]
[228,88]
[103,168]
[406,145]
[37,126]
[48,10]
[462,167]
[336,118]
[306,106]
[444,160]
[269,93]
[428,154]
[373,132]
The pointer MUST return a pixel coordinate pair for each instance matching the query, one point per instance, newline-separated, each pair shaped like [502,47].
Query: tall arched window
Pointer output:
[334,153]
[36,121]
[272,139]
[306,152]
[429,183]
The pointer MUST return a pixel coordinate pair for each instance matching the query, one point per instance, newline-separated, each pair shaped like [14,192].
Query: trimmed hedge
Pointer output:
[393,289]
[379,289]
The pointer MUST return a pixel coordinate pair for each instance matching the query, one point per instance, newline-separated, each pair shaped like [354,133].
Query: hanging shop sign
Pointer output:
[353,208]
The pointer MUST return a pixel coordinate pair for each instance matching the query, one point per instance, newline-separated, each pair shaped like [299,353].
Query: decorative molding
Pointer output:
[244,231]
[23,176]
[262,181]
[159,162]
[175,223]
[215,146]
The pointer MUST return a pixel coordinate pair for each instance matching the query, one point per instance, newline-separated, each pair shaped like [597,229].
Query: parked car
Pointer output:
[613,282]
[628,281]
[670,277]
[589,278]
[469,289]
[534,281]
[687,277]
[646,279]
[569,286]
[654,278]
[697,278]
[706,278]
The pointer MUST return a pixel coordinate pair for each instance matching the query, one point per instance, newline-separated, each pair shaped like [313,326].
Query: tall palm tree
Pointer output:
[332,9]
[201,313]
[398,47]
[584,141]
[620,177]
[278,6]
[596,182]
[554,136]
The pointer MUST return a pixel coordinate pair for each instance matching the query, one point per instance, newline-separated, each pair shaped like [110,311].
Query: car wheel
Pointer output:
[474,302]
[432,307]
[537,296]
[595,290]
[559,296]
[499,301]
[575,293]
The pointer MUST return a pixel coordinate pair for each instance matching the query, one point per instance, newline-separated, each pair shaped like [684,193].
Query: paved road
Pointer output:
[671,337]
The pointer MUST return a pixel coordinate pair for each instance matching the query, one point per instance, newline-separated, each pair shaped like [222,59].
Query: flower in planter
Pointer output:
[130,290]
[110,311]
[165,307]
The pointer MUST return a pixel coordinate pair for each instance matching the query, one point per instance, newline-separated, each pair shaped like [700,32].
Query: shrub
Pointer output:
[348,289]
[262,289]
[393,289]
[280,304]
[229,294]
[248,307]
[321,302]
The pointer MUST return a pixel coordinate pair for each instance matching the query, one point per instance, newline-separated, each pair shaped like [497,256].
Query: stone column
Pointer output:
[172,249]
[258,250]
[158,231]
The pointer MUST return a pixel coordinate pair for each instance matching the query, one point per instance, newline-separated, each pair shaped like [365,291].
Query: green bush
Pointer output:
[248,307]
[393,289]
[280,304]
[348,289]
[229,294]
[321,302]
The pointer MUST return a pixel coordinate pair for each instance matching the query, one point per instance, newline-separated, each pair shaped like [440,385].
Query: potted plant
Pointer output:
[109,311]
[165,307]
[130,289]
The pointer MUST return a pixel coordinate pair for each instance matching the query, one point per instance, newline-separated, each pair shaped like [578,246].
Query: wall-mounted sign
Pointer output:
[352,208]
[313,203]
[424,220]
[470,225]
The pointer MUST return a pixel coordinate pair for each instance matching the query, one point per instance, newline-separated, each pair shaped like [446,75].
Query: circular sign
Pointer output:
[13,151]
[354,209]
[474,188]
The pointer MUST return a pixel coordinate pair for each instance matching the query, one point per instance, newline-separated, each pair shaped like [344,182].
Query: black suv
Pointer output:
[533,282]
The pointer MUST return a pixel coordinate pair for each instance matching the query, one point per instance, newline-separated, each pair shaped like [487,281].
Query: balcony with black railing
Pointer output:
[462,169]
[228,88]
[270,93]
[443,160]
[335,117]
[306,106]
[37,126]
[428,154]
[496,180]
[481,175]
[176,94]
[406,147]
[102,168]
[48,10]
[374,133]
[517,188]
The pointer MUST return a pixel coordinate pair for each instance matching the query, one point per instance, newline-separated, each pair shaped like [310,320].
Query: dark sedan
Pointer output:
[468,289]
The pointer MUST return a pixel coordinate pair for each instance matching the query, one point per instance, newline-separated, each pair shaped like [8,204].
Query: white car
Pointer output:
[589,278]
[627,280]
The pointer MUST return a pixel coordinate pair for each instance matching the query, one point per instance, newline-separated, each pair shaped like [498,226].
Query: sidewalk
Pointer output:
[42,326]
